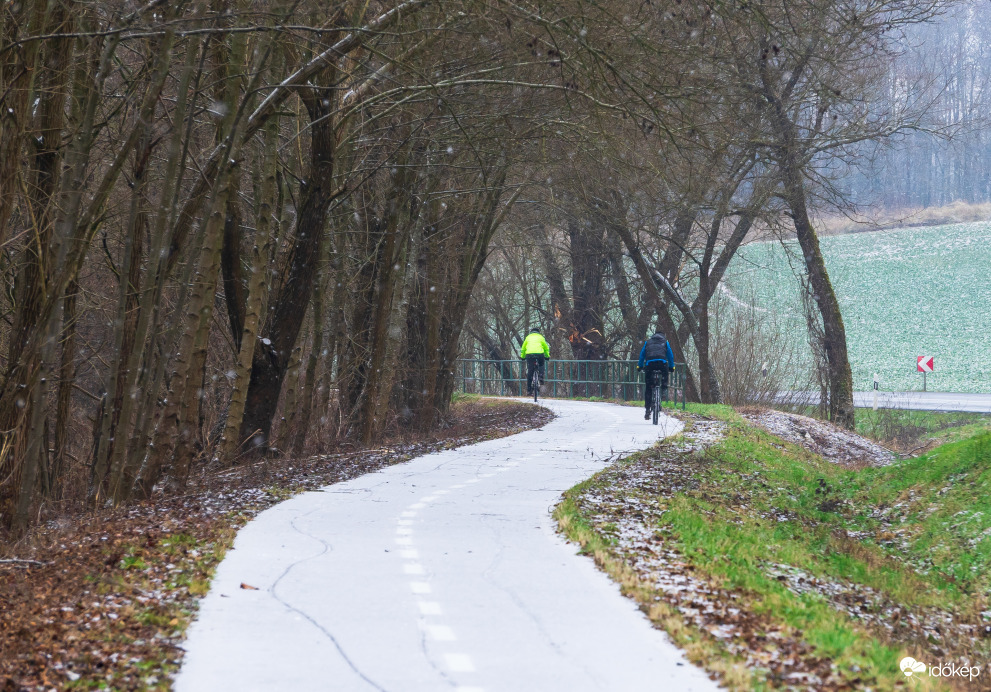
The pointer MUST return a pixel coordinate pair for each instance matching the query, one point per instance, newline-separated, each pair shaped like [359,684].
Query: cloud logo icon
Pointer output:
[910,666]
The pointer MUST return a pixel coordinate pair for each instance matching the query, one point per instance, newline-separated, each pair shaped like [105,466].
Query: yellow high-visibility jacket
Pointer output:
[534,343]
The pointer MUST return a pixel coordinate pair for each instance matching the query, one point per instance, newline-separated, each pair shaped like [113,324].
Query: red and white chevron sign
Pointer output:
[925,363]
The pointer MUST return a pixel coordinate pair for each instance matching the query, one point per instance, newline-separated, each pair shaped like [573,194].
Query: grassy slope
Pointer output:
[911,429]
[917,532]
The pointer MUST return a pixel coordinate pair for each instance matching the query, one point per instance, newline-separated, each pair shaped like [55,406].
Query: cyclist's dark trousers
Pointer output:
[534,361]
[662,371]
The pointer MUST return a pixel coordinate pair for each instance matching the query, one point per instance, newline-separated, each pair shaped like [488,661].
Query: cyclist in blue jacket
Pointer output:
[655,356]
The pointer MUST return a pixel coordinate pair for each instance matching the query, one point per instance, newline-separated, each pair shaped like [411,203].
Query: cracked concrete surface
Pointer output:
[443,573]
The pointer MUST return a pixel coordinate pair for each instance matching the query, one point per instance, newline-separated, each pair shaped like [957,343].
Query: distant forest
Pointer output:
[947,157]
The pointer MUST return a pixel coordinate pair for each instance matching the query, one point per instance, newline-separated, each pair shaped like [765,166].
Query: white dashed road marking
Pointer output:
[429,607]
[459,663]
[474,585]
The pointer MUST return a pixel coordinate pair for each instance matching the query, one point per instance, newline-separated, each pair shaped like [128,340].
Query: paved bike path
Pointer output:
[443,573]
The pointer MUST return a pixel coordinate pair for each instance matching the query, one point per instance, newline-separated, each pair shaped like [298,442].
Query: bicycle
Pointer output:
[535,377]
[536,381]
[652,381]
[656,385]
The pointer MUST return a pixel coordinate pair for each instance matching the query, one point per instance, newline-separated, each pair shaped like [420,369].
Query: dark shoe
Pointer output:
[646,415]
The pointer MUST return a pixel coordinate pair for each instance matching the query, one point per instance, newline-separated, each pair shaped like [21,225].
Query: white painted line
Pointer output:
[459,663]
[458,486]
[418,505]
[403,530]
[404,522]
[413,568]
[410,554]
[473,480]
[408,513]
[429,607]
[428,498]
[404,540]
[419,587]
[442,492]
[441,633]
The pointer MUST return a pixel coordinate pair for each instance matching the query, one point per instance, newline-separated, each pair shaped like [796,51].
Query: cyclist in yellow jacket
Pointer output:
[534,351]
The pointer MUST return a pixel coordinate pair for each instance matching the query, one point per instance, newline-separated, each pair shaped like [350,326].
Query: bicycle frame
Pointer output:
[655,385]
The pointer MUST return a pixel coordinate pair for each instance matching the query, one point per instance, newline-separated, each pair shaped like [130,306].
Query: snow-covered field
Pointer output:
[904,293]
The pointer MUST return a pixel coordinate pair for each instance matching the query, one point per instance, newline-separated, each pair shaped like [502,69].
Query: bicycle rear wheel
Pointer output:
[657,403]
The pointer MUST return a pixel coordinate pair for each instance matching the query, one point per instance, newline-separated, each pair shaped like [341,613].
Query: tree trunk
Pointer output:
[655,283]
[841,410]
[117,421]
[288,309]
[635,320]
[18,85]
[230,441]
[67,376]
[196,319]
[235,284]
[30,336]
[789,159]
[290,400]
[588,264]
[36,454]
[561,307]
[154,357]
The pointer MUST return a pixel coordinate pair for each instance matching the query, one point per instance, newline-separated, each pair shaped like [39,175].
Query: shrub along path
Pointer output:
[102,600]
[775,567]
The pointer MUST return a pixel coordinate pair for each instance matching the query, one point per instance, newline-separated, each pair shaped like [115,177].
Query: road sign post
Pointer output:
[925,365]
[875,391]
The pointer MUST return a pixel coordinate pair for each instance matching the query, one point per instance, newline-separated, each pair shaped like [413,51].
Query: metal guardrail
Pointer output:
[566,379]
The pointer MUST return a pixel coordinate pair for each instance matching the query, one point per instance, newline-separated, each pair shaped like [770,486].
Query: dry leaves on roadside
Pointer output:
[104,598]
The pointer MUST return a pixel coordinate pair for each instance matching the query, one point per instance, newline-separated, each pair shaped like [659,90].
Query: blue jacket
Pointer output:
[643,362]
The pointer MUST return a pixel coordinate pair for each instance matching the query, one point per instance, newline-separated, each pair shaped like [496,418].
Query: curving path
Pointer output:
[443,573]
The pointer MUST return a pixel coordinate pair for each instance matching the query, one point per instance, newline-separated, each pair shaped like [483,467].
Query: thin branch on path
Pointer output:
[25,563]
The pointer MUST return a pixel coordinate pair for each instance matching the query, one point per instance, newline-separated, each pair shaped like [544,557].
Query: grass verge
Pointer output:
[833,574]
[911,430]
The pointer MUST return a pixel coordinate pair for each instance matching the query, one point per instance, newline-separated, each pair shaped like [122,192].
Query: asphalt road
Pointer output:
[444,573]
[918,401]
[926,401]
